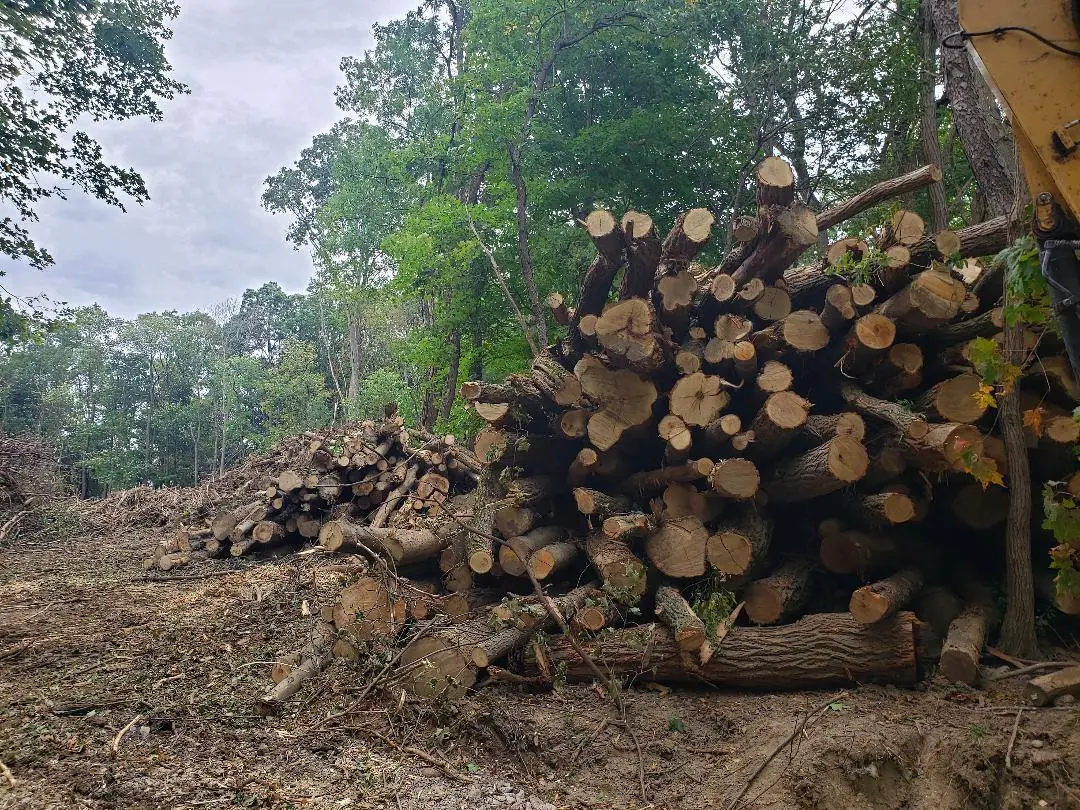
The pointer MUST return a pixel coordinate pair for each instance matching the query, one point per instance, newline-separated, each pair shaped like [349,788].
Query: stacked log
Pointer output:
[806,441]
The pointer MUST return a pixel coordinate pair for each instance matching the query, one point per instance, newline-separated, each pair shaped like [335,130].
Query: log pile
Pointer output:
[363,475]
[799,448]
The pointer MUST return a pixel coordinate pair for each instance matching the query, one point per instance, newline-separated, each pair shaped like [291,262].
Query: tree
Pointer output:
[63,61]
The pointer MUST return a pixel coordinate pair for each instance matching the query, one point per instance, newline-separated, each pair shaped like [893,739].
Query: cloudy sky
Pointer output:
[262,75]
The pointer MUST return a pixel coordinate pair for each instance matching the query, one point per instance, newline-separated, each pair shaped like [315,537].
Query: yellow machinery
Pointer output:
[1030,51]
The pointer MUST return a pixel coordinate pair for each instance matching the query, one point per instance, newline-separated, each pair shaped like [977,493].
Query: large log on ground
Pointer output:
[878,600]
[839,462]
[818,651]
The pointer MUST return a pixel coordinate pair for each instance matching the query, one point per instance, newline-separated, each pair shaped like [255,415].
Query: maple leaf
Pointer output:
[1033,418]
[985,396]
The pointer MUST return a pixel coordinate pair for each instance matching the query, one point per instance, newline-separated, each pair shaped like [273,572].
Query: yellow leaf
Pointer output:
[1033,418]
[985,396]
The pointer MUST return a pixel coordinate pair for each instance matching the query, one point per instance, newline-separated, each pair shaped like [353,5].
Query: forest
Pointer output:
[442,209]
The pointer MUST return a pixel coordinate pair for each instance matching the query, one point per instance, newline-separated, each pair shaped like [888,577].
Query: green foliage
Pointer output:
[1061,517]
[713,604]
[676,724]
[63,62]
[1027,299]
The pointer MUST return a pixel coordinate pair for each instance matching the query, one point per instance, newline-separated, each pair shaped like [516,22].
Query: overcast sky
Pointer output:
[262,75]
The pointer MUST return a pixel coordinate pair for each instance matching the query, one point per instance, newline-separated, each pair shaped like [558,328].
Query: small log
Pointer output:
[582,466]
[882,509]
[690,356]
[778,423]
[551,559]
[560,313]
[729,330]
[1045,689]
[368,609]
[953,400]
[677,547]
[932,298]
[512,521]
[818,651]
[632,524]
[879,600]
[628,332]
[642,254]
[599,504]
[800,332]
[622,573]
[878,193]
[675,612]
[868,340]
[744,353]
[719,432]
[651,482]
[906,422]
[781,595]
[267,531]
[773,378]
[735,478]
[964,645]
[680,500]
[515,553]
[313,656]
[574,424]
[687,238]
[740,546]
[775,182]
[819,428]
[532,490]
[839,462]
[553,381]
[839,308]
[793,230]
[943,448]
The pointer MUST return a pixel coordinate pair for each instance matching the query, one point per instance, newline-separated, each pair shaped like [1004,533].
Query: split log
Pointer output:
[515,553]
[740,546]
[677,547]
[781,595]
[906,422]
[675,612]
[879,600]
[964,645]
[1045,689]
[839,462]
[819,651]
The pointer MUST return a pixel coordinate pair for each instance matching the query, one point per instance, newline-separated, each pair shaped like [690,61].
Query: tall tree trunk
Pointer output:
[355,340]
[524,253]
[928,125]
[450,392]
[986,136]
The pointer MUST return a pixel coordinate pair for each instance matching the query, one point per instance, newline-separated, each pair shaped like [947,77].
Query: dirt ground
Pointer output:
[90,648]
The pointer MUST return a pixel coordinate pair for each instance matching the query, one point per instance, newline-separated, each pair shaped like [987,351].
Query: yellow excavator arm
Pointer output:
[1029,50]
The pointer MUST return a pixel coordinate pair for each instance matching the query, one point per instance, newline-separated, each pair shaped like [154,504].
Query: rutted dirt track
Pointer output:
[87,645]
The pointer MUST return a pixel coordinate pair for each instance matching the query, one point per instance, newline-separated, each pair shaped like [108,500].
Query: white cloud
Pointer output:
[262,75]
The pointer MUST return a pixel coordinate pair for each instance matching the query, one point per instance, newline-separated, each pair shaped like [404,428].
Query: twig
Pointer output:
[7,773]
[123,731]
[1012,740]
[588,741]
[1012,673]
[624,724]
[183,577]
[799,728]
[416,752]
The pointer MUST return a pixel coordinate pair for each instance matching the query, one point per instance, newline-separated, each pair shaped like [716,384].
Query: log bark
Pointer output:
[642,253]
[879,600]
[675,612]
[314,656]
[906,422]
[402,546]
[943,448]
[781,595]
[818,651]
[688,237]
[931,299]
[953,400]
[553,558]
[622,573]
[515,554]
[839,462]
[878,193]
[777,424]
[801,332]
[819,428]
[600,505]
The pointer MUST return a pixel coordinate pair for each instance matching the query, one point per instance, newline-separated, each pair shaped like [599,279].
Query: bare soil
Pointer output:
[90,647]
